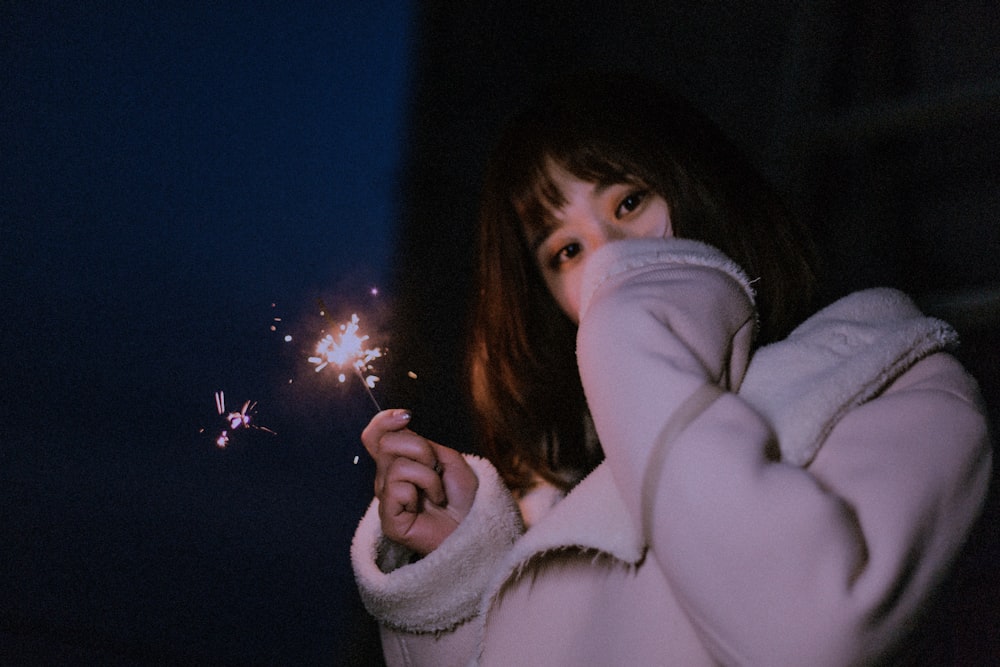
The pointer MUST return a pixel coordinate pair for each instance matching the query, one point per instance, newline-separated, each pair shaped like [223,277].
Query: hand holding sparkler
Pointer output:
[425,490]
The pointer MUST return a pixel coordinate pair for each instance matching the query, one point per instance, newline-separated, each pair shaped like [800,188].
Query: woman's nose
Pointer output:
[612,232]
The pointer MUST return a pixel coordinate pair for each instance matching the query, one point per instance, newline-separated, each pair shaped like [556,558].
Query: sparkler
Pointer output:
[349,349]
[234,420]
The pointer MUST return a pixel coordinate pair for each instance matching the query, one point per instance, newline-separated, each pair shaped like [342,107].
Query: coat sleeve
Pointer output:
[428,608]
[775,564]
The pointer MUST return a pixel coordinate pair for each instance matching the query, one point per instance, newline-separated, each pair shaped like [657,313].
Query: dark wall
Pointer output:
[878,121]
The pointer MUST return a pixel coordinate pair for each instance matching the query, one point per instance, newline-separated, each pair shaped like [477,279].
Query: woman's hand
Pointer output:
[424,489]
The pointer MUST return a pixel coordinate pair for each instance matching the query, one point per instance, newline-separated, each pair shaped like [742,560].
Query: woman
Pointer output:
[703,476]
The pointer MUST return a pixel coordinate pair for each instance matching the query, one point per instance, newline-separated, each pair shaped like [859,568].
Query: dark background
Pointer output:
[170,171]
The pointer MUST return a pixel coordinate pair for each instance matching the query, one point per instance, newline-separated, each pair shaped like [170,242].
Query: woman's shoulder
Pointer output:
[844,356]
[943,372]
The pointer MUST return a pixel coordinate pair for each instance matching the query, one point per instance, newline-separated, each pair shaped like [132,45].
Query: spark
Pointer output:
[233,421]
[349,349]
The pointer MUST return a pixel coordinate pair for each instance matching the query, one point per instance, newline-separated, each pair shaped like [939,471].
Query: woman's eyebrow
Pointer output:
[602,186]
[540,234]
[538,237]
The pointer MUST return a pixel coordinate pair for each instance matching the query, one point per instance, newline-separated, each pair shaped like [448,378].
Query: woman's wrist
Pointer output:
[443,588]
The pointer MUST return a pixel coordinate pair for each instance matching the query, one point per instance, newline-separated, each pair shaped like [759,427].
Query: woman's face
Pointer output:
[593,215]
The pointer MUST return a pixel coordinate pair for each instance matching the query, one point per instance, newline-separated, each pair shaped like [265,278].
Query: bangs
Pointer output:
[537,195]
[579,127]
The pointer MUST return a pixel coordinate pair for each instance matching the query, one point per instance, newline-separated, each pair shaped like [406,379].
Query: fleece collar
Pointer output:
[836,360]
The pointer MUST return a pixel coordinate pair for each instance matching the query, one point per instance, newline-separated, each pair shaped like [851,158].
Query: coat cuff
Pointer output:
[621,256]
[444,588]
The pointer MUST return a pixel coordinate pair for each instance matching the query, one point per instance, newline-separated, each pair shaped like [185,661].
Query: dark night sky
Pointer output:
[167,173]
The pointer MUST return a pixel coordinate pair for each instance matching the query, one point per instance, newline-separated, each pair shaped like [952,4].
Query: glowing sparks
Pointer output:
[349,349]
[233,421]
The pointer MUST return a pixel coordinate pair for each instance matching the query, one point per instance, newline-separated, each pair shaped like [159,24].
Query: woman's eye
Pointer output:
[630,203]
[566,253]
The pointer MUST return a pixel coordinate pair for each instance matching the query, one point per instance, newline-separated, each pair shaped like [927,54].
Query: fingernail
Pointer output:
[403,415]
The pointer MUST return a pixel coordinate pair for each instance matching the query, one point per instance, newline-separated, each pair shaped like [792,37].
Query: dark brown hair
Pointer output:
[529,404]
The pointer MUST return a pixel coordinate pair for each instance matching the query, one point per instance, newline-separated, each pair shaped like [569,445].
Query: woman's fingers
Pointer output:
[424,489]
[405,445]
[413,509]
[459,481]
[384,422]
[407,472]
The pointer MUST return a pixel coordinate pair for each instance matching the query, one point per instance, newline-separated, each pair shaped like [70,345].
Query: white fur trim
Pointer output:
[445,587]
[591,516]
[614,258]
[836,360]
[539,501]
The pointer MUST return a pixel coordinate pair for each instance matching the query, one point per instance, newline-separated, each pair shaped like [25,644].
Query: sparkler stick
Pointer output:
[348,349]
[368,390]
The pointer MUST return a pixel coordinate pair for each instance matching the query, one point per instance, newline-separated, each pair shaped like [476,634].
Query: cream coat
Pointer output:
[797,509]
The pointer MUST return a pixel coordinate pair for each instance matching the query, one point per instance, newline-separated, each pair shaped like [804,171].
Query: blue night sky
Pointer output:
[165,169]
[168,171]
